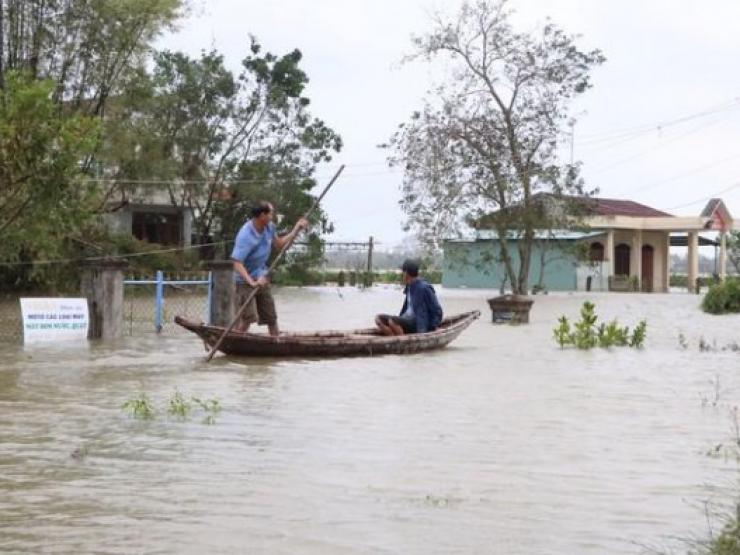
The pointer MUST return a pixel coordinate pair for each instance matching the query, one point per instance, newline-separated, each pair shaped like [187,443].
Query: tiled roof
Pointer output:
[615,207]
[711,208]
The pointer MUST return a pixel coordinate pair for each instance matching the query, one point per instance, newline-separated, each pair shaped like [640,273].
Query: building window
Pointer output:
[156,228]
[596,252]
[622,260]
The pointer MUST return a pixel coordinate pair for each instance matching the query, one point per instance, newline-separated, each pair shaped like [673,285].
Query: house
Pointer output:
[148,215]
[625,246]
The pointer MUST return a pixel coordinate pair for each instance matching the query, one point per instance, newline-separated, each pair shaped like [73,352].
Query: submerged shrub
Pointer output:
[562,332]
[587,335]
[139,407]
[178,406]
[722,298]
[638,335]
[143,408]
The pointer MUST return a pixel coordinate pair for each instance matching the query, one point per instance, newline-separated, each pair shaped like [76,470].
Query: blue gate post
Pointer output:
[159,301]
[209,299]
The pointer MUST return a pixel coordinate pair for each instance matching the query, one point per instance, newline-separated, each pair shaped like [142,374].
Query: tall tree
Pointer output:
[486,139]
[215,140]
[43,200]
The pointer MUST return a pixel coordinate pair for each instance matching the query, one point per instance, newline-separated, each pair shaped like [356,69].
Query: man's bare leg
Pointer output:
[273,329]
[384,330]
[241,327]
[395,328]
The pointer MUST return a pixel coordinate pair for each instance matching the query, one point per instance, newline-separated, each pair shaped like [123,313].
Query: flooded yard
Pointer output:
[501,443]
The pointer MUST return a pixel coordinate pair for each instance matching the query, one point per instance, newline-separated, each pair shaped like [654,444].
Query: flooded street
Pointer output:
[501,443]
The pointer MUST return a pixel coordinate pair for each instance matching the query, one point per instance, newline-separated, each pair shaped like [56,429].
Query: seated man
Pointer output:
[421,311]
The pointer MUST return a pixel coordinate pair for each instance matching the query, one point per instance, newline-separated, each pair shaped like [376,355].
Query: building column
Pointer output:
[722,255]
[609,254]
[667,264]
[693,260]
[636,265]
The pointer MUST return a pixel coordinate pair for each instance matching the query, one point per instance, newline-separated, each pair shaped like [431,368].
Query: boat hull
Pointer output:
[365,342]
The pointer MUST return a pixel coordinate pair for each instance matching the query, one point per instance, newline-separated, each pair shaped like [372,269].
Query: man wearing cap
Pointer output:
[421,311]
[252,248]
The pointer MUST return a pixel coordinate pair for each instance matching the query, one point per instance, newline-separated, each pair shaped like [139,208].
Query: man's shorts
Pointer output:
[261,308]
[408,325]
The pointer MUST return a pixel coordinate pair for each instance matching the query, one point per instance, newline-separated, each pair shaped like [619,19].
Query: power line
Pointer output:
[660,125]
[687,173]
[704,199]
[256,181]
[111,256]
[656,147]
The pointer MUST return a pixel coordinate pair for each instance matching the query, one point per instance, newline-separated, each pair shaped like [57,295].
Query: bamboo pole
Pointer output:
[271,268]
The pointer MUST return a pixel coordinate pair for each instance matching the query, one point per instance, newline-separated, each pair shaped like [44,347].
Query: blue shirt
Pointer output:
[252,249]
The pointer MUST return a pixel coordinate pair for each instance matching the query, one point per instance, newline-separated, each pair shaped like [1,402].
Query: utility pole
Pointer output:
[369,279]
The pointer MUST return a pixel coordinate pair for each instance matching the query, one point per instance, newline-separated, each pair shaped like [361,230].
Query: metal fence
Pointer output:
[11,324]
[151,303]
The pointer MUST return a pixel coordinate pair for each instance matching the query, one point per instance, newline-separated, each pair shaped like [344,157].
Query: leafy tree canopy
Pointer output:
[43,198]
[216,141]
[486,139]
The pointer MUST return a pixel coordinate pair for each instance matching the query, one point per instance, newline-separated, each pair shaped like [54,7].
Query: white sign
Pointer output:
[54,319]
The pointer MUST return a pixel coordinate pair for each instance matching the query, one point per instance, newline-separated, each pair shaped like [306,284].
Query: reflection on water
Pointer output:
[501,443]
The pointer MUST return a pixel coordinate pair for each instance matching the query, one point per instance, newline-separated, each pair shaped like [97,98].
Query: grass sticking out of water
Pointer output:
[178,406]
[140,407]
[211,407]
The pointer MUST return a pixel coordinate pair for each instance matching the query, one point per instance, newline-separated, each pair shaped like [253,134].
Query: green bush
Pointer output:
[682,280]
[297,275]
[147,258]
[723,298]
[585,334]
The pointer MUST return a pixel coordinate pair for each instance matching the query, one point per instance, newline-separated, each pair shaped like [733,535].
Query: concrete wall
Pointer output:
[119,221]
[599,274]
[474,264]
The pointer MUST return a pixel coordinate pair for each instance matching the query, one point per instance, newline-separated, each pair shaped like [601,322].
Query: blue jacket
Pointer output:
[427,309]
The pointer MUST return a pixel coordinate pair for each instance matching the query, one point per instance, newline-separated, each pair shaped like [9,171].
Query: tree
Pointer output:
[217,141]
[486,140]
[733,249]
[60,63]
[43,199]
[89,48]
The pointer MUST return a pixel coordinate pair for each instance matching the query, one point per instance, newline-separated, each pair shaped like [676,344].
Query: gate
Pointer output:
[150,304]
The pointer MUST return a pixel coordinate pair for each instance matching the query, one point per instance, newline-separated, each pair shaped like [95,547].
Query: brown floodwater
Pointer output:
[501,443]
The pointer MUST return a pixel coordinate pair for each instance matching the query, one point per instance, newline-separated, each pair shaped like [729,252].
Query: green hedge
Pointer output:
[723,298]
[298,276]
[682,280]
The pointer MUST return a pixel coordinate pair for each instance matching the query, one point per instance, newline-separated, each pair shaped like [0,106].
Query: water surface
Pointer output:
[501,443]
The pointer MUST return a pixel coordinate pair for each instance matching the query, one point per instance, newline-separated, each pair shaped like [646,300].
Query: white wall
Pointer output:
[599,274]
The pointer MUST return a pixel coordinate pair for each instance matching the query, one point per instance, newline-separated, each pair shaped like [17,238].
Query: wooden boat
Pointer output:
[361,342]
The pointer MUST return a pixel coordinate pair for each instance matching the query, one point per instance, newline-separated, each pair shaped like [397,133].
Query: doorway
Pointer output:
[648,255]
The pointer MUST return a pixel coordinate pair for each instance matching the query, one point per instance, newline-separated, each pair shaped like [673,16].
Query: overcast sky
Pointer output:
[667,60]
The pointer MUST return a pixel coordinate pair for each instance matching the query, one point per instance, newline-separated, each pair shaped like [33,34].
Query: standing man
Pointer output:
[252,247]
[421,311]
